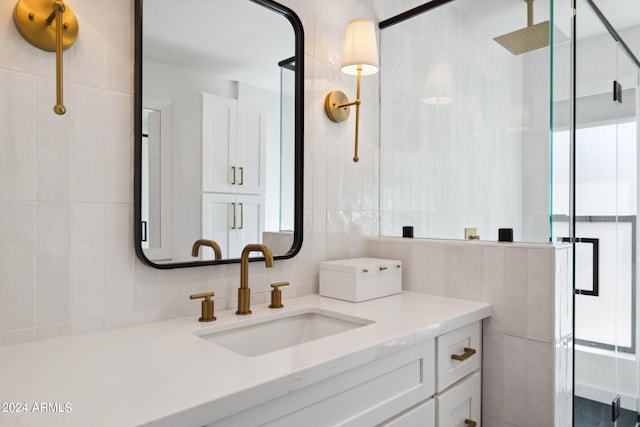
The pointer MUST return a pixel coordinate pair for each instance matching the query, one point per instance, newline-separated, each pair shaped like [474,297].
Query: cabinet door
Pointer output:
[233,221]
[459,406]
[217,223]
[251,148]
[219,135]
[250,221]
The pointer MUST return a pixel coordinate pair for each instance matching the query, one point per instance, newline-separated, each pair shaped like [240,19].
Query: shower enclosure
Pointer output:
[599,215]
[543,141]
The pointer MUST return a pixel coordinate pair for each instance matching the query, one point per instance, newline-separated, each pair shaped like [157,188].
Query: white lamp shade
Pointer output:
[360,48]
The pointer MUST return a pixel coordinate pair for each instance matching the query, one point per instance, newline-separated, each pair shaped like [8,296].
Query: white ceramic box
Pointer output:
[360,279]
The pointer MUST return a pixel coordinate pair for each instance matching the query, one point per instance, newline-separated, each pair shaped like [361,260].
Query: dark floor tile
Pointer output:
[583,420]
[626,419]
[596,410]
[589,413]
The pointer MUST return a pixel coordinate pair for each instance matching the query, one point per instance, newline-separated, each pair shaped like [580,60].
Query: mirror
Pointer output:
[218,130]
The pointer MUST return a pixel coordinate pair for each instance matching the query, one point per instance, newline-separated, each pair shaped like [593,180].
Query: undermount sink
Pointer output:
[255,337]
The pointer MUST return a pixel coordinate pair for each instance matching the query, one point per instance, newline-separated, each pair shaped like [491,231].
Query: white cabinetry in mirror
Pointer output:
[233,146]
[232,220]
[220,152]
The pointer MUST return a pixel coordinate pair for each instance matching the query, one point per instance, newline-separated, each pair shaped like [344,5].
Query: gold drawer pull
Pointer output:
[383,268]
[470,423]
[468,352]
[233,179]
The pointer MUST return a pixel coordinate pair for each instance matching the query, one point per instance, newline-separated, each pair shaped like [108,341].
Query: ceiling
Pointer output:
[242,41]
[229,39]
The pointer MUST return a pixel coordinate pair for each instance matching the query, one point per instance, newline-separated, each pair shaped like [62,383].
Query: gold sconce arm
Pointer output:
[50,26]
[336,105]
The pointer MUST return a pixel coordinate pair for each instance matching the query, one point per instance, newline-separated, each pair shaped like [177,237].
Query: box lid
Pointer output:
[357,265]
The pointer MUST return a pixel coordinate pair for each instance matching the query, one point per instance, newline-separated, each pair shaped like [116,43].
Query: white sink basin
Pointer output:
[255,337]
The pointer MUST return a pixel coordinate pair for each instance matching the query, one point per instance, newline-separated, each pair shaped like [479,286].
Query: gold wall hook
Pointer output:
[51,26]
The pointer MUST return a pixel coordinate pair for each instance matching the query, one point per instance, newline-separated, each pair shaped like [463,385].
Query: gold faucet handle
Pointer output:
[276,295]
[207,306]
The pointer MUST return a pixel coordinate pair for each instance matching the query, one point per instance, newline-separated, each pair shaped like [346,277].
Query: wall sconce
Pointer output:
[49,25]
[359,58]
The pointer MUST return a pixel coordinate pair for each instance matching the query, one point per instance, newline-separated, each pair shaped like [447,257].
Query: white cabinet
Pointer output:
[232,220]
[423,415]
[233,146]
[415,386]
[459,406]
[458,380]
[218,173]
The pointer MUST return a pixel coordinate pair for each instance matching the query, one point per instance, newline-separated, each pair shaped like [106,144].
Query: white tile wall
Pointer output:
[527,366]
[447,167]
[66,183]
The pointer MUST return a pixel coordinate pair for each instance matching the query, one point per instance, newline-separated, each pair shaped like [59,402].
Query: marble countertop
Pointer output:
[161,373]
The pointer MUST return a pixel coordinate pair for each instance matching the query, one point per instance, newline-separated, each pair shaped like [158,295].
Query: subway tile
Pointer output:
[88,267]
[120,46]
[319,176]
[493,374]
[454,286]
[17,336]
[540,294]
[118,320]
[87,325]
[515,380]
[117,152]
[54,144]
[539,382]
[90,50]
[17,54]
[472,271]
[52,331]
[91,151]
[119,259]
[18,136]
[515,292]
[493,287]
[53,263]
[17,249]
[436,275]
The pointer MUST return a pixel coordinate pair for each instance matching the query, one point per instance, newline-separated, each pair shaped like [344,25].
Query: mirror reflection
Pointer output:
[218,129]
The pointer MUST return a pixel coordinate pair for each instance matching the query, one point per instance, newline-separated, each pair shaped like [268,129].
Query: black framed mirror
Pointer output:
[219,88]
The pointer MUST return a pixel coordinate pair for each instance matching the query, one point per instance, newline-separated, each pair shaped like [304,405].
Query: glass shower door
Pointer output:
[605,200]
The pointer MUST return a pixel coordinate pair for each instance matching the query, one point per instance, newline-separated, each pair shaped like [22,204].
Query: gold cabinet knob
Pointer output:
[207,306]
[276,295]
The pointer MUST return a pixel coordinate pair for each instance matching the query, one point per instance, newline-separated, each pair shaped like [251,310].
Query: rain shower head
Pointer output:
[526,39]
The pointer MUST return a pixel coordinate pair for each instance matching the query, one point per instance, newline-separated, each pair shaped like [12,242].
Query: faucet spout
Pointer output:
[205,242]
[244,293]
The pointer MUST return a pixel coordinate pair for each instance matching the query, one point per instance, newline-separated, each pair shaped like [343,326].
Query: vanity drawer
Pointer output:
[458,354]
[459,406]
[423,415]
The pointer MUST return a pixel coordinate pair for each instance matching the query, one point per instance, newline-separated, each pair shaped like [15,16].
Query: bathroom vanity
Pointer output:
[390,361]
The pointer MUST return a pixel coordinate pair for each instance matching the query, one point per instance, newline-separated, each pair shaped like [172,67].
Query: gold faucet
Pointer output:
[244,293]
[205,242]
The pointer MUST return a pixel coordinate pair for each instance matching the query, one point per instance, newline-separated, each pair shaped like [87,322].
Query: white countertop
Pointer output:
[161,373]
